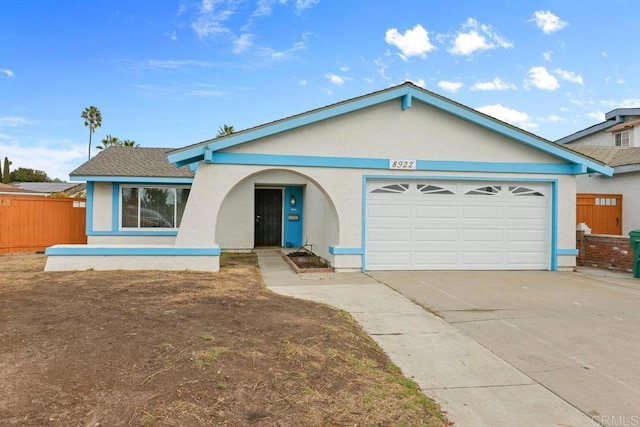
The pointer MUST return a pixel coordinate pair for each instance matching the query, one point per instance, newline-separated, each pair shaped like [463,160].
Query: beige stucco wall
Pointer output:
[386,131]
[102,206]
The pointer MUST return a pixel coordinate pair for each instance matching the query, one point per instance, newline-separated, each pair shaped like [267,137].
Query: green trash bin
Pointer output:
[634,240]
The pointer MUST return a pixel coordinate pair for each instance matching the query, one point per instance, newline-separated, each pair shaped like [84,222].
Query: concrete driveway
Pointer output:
[576,334]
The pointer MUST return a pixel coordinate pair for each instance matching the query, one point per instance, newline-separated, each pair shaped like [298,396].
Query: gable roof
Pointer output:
[622,159]
[130,162]
[405,93]
[612,119]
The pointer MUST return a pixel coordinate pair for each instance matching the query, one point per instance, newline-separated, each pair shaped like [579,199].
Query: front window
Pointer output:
[152,207]
[622,138]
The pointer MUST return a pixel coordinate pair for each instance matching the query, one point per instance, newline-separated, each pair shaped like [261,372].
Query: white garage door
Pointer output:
[457,225]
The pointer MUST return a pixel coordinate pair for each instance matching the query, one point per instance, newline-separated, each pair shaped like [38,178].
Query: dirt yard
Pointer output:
[187,349]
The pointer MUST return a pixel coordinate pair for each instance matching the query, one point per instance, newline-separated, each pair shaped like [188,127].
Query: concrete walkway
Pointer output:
[473,385]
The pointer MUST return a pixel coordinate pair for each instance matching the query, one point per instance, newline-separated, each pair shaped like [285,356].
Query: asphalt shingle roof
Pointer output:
[134,162]
[611,156]
[6,188]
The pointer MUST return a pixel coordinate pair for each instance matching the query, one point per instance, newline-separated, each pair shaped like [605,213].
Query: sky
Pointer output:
[169,73]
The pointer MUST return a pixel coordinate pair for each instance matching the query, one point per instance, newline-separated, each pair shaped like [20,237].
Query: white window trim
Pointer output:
[625,136]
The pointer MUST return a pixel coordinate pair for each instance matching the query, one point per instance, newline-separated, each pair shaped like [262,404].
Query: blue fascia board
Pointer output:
[134,233]
[373,163]
[82,250]
[336,250]
[136,179]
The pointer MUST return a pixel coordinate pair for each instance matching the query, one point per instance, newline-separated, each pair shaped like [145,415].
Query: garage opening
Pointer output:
[457,225]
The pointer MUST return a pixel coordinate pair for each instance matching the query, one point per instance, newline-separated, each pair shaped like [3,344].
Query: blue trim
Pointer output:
[554,225]
[82,250]
[136,232]
[115,206]
[134,179]
[293,227]
[406,92]
[374,163]
[89,208]
[567,252]
[406,102]
[553,253]
[334,250]
[364,222]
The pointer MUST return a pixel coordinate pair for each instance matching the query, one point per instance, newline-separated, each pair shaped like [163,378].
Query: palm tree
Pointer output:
[224,130]
[92,119]
[108,141]
[130,143]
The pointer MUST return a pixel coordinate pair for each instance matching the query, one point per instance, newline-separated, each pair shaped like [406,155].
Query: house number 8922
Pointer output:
[402,164]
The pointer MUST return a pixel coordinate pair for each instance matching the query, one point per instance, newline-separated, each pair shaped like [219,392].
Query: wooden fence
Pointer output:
[29,224]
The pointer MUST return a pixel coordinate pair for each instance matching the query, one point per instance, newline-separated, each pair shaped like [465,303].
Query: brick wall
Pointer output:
[604,251]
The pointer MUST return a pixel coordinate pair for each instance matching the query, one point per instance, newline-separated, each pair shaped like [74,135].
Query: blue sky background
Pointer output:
[169,73]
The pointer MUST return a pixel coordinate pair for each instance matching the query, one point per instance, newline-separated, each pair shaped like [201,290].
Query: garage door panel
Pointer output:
[390,211]
[484,235]
[476,212]
[532,235]
[443,235]
[436,212]
[388,235]
[526,212]
[473,226]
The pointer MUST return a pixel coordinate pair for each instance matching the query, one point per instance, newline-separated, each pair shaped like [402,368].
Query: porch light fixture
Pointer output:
[292,201]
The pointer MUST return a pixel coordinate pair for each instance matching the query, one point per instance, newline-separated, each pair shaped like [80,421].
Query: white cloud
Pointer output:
[6,72]
[548,22]
[335,79]
[344,68]
[282,54]
[305,4]
[174,64]
[14,121]
[448,86]
[514,117]
[540,78]
[495,84]
[414,42]
[547,55]
[596,115]
[243,43]
[620,81]
[211,19]
[302,82]
[56,157]
[172,35]
[477,37]
[553,119]
[569,76]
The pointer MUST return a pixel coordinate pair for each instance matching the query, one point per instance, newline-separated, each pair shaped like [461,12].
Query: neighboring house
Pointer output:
[71,189]
[10,190]
[615,142]
[400,179]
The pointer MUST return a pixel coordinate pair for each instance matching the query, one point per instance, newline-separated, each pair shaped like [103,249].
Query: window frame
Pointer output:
[625,136]
[140,190]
